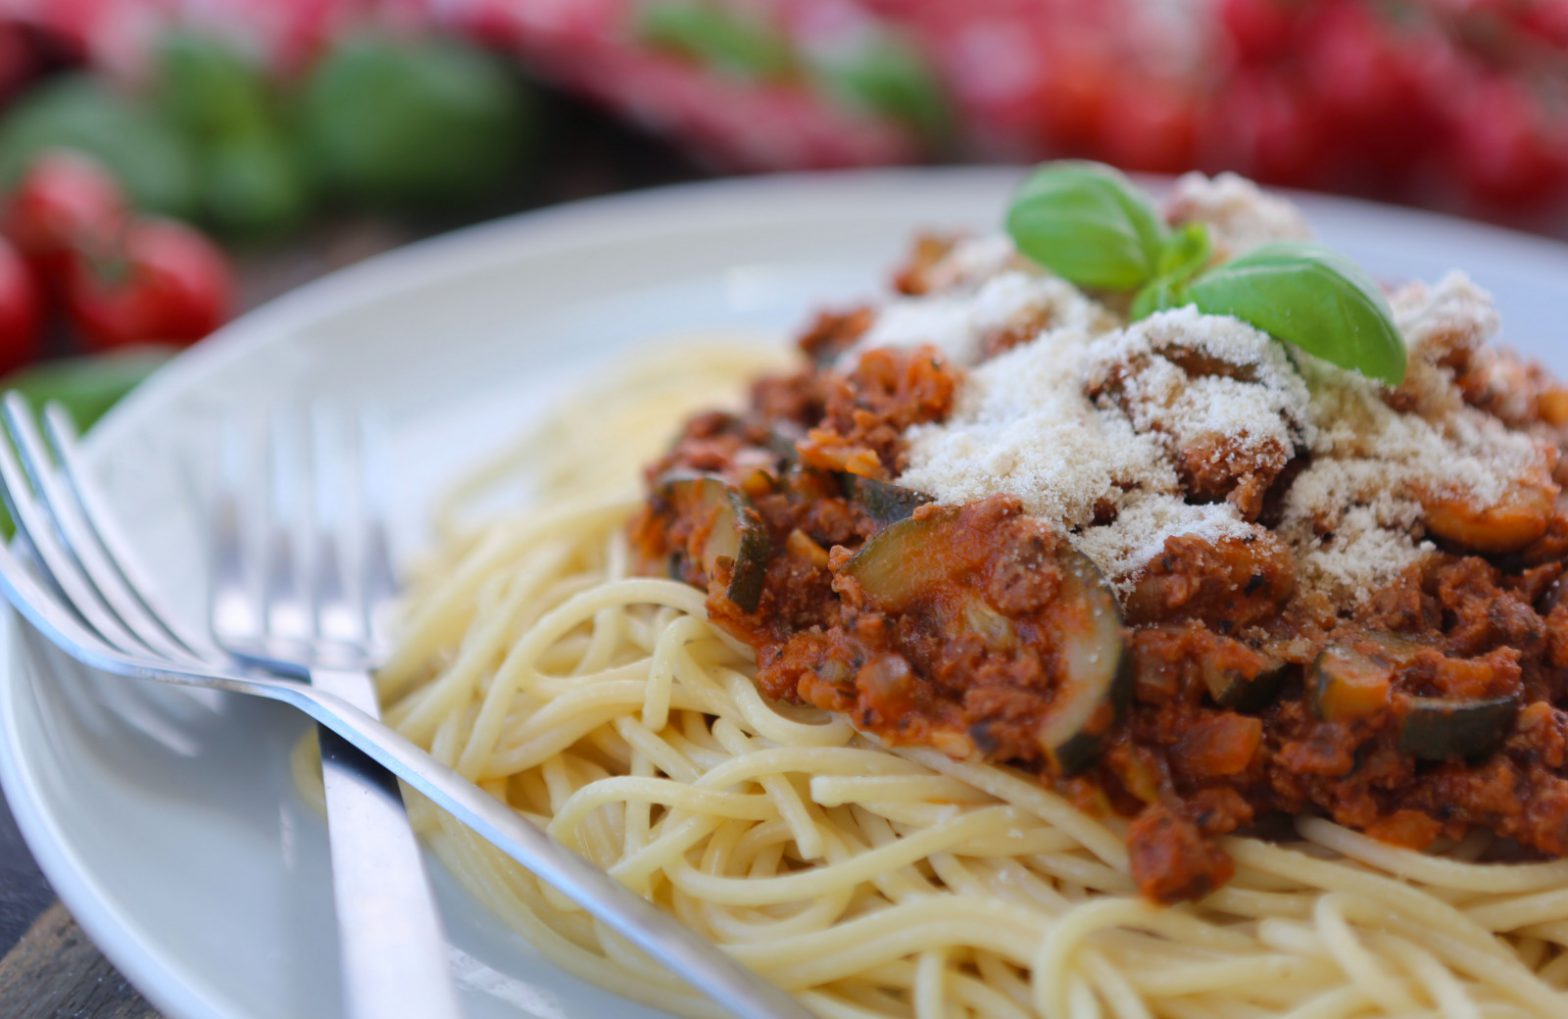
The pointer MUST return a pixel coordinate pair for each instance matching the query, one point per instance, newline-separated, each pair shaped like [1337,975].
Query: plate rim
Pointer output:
[581,222]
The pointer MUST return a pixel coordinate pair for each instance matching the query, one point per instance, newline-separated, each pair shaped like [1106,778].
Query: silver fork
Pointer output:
[73,581]
[319,628]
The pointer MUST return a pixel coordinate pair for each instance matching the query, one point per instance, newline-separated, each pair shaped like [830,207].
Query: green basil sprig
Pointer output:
[1088,224]
[1308,296]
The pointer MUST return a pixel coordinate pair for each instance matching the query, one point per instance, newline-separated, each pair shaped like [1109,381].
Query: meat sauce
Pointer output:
[1209,700]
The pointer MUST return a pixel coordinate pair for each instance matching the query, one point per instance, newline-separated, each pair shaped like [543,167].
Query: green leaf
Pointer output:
[1087,223]
[414,125]
[725,40]
[86,386]
[253,187]
[1185,255]
[885,75]
[1309,296]
[208,87]
[81,113]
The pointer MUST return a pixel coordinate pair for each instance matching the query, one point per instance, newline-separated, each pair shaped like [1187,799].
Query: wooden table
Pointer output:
[50,970]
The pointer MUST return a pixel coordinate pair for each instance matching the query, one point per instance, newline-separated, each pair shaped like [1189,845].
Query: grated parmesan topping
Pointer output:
[1239,216]
[1099,426]
[957,324]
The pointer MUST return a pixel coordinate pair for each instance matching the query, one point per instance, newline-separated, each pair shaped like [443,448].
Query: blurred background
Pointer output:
[165,163]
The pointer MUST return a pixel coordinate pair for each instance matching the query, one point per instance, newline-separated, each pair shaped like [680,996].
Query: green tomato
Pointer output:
[83,113]
[414,124]
[253,187]
[209,88]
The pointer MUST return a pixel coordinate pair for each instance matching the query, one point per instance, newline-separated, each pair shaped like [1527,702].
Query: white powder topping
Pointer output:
[1438,321]
[1138,534]
[1093,420]
[1258,401]
[958,324]
[1024,426]
[1239,216]
[975,258]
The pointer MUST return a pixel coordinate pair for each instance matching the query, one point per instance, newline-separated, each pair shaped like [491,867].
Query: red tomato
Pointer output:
[1149,125]
[20,311]
[165,283]
[1266,127]
[66,203]
[1511,152]
[1074,98]
[1260,30]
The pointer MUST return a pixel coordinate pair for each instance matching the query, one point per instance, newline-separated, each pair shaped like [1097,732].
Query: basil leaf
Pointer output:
[730,41]
[1185,255]
[887,76]
[1312,297]
[1088,224]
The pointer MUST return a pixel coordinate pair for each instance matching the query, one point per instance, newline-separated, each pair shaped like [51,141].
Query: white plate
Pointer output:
[171,829]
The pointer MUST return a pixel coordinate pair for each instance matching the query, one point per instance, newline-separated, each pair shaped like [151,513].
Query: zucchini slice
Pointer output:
[884,502]
[915,559]
[1097,669]
[1441,728]
[1347,684]
[906,560]
[1241,689]
[728,528]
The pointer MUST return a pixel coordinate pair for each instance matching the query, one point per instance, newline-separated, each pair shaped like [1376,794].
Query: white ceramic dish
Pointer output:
[170,828]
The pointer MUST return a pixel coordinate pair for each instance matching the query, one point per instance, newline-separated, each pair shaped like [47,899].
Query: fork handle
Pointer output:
[394,958]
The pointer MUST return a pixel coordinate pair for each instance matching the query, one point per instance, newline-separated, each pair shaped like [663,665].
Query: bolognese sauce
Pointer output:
[1184,576]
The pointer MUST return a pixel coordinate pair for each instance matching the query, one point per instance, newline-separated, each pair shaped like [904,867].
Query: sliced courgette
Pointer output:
[1347,683]
[1097,668]
[726,528]
[916,559]
[1440,728]
[1244,689]
[885,503]
[906,560]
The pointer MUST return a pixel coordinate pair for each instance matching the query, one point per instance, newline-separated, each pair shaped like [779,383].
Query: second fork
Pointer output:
[313,615]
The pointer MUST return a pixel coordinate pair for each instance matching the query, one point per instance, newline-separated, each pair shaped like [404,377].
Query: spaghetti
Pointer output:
[870,881]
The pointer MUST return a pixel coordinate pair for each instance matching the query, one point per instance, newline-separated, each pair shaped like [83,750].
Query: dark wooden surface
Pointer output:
[48,968]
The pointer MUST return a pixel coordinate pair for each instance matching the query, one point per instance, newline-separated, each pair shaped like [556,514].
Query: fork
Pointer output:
[79,589]
[319,628]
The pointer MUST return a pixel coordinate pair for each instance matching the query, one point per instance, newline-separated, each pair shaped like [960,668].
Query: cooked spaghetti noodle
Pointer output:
[870,881]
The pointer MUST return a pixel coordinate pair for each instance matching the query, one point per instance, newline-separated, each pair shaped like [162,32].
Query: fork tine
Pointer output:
[284,605]
[59,567]
[121,570]
[378,577]
[337,607]
[231,609]
[77,537]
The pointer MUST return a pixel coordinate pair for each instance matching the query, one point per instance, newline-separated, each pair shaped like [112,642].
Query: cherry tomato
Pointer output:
[1150,125]
[1266,127]
[164,283]
[1260,30]
[65,203]
[1074,97]
[1510,152]
[20,311]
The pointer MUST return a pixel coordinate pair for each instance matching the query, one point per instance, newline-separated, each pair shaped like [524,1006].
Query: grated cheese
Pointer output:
[958,323]
[1239,216]
[1090,423]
